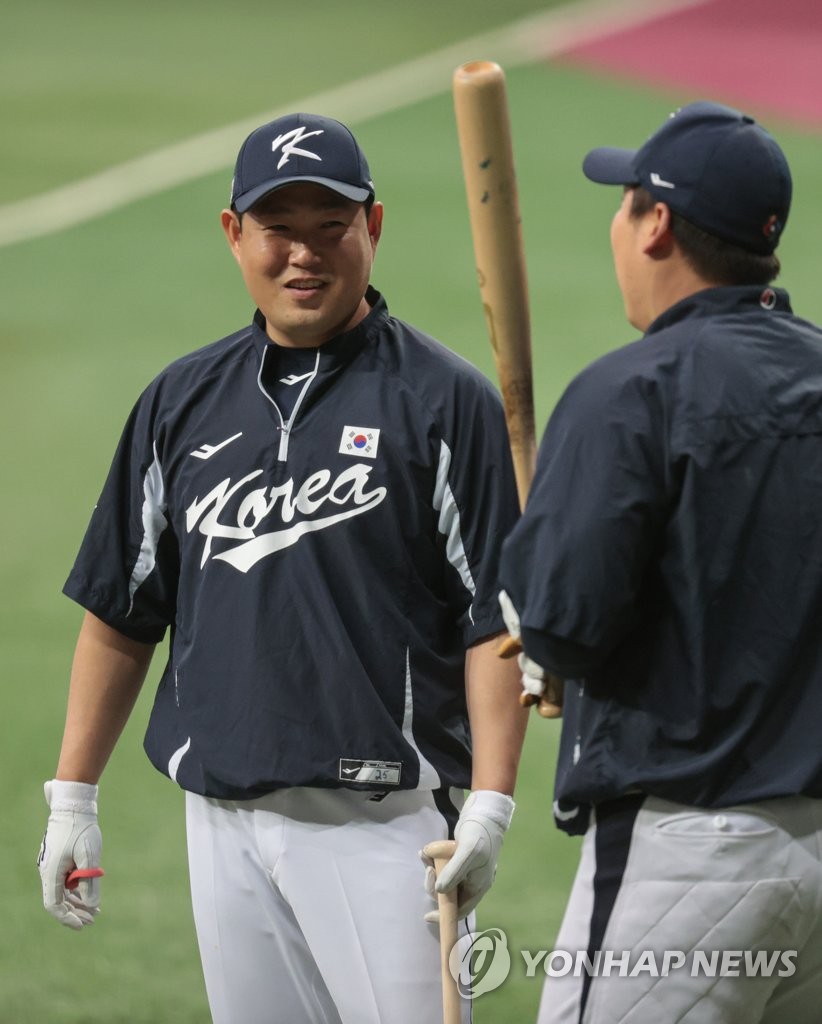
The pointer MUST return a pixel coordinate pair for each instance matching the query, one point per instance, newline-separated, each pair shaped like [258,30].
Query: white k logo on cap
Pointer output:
[289,145]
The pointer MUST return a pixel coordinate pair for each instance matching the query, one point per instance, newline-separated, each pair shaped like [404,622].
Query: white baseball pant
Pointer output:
[735,885]
[309,905]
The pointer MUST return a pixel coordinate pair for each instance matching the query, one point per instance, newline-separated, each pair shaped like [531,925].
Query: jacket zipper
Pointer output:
[285,428]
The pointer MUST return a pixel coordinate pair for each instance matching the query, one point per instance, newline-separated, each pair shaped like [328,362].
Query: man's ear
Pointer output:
[375,215]
[233,229]
[658,230]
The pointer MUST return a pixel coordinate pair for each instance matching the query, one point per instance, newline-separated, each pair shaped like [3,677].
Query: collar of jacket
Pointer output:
[341,349]
[745,299]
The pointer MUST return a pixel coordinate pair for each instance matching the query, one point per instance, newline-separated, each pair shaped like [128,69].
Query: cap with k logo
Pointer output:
[300,147]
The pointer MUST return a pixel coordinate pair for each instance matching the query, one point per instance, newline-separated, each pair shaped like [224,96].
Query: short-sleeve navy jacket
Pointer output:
[322,574]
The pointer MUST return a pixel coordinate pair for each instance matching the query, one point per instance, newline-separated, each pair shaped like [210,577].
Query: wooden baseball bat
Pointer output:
[441,852]
[484,130]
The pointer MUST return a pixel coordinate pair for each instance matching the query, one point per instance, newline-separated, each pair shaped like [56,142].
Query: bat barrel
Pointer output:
[484,132]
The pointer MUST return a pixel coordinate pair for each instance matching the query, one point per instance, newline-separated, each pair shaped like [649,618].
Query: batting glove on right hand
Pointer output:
[479,832]
[72,841]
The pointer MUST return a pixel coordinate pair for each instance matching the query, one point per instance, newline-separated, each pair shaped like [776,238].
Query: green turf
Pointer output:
[90,314]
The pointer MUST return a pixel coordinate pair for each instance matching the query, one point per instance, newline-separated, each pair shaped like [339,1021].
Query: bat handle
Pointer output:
[441,852]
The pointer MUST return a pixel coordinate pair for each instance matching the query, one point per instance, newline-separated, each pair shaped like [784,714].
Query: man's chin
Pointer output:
[305,331]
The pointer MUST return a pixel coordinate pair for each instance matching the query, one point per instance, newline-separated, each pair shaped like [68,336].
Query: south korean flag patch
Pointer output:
[360,441]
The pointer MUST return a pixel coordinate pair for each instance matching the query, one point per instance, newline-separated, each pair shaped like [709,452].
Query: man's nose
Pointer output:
[303,252]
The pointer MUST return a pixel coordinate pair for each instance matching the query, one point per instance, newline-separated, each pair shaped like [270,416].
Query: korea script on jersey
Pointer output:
[260,505]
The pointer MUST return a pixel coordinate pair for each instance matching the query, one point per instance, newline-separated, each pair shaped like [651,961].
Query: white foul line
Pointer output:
[537,37]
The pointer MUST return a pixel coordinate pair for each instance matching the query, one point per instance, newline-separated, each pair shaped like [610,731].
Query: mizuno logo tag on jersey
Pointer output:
[294,378]
[205,451]
[386,773]
[360,441]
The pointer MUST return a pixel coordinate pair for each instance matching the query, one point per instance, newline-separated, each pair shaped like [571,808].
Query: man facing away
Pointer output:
[668,567]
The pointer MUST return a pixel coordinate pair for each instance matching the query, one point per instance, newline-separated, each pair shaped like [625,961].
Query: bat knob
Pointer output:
[441,850]
[509,647]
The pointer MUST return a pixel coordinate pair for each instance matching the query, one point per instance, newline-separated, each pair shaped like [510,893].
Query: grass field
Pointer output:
[91,313]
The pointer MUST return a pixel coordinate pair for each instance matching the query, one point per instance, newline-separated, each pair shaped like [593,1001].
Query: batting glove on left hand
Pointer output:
[72,841]
[479,832]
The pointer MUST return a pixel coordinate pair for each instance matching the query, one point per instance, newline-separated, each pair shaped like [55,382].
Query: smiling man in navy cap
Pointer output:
[668,568]
[313,508]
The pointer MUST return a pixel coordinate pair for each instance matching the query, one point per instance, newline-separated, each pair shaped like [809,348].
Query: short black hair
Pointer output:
[711,257]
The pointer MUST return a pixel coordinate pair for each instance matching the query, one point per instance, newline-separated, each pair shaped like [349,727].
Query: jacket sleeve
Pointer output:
[576,563]
[127,567]
[476,500]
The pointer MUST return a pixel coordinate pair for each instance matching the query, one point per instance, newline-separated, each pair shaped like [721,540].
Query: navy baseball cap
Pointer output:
[715,167]
[300,147]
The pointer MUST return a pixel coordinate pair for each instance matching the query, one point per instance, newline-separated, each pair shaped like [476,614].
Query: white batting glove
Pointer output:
[72,842]
[510,616]
[533,675]
[479,832]
[539,686]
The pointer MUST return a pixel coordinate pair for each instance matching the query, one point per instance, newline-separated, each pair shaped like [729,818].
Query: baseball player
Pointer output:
[313,508]
[668,567]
